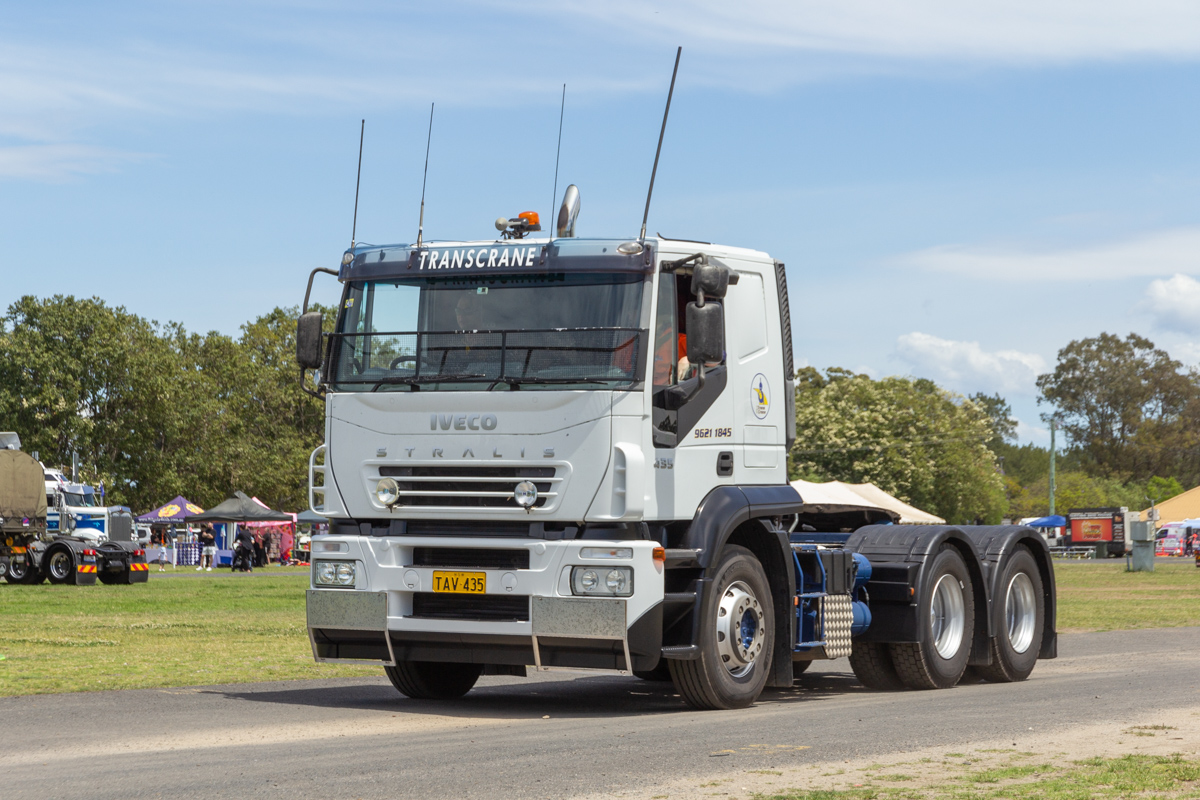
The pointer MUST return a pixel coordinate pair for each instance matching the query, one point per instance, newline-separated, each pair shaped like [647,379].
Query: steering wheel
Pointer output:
[401,360]
[354,362]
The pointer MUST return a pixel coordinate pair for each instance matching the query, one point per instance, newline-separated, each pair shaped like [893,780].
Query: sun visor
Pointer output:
[486,258]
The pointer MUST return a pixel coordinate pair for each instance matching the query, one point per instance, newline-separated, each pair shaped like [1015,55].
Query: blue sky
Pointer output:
[958,189]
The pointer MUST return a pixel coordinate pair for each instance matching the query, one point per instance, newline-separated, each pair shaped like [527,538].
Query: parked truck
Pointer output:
[565,452]
[31,552]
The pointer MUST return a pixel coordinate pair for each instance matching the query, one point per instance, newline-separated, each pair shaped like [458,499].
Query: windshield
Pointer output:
[76,500]
[557,330]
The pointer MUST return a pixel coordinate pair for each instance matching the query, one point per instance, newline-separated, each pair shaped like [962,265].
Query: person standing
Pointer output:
[208,547]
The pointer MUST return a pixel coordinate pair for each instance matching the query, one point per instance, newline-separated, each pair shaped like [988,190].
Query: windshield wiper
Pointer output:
[415,382]
[517,382]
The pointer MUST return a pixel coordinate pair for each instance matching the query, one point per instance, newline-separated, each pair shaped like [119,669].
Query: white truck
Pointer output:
[564,452]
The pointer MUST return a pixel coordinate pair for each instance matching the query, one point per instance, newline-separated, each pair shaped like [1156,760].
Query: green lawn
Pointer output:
[197,628]
[205,628]
[1103,596]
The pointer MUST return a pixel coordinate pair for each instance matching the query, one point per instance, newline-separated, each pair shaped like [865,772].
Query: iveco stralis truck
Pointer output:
[565,452]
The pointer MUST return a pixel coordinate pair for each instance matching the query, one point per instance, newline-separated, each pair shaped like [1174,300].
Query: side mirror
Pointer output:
[705,333]
[711,279]
[308,340]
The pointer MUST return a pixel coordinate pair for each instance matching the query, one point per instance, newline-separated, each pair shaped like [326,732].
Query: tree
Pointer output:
[155,411]
[1121,403]
[907,436]
[1004,425]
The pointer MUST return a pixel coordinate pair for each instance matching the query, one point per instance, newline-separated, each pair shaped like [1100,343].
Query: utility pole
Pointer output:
[1052,466]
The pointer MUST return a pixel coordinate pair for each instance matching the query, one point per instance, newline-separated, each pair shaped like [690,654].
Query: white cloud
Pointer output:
[57,162]
[1174,303]
[967,367]
[1160,253]
[1032,433]
[1023,31]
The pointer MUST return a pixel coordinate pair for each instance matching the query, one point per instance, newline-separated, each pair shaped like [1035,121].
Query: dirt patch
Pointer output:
[1176,731]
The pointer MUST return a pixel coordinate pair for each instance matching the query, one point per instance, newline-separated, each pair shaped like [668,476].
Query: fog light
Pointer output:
[525,493]
[617,581]
[387,491]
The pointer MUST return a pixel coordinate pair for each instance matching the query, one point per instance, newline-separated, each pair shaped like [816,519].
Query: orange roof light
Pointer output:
[529,216]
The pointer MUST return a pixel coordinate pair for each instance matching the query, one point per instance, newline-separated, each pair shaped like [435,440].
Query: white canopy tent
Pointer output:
[864,495]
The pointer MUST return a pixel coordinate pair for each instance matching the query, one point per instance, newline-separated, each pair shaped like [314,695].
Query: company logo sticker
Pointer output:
[760,396]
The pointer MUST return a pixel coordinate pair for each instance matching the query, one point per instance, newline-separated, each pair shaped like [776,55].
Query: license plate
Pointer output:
[460,582]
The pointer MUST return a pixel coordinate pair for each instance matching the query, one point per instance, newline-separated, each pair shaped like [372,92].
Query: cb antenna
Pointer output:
[428,139]
[558,154]
[357,182]
[653,172]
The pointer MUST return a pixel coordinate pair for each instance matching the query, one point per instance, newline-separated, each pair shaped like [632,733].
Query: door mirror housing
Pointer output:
[308,340]
[705,333]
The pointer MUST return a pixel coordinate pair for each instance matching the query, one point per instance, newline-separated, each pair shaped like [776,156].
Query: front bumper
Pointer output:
[527,616]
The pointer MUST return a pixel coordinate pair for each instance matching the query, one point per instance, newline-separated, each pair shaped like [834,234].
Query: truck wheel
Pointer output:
[872,665]
[737,637]
[20,570]
[1018,619]
[661,673]
[431,680]
[60,565]
[946,617]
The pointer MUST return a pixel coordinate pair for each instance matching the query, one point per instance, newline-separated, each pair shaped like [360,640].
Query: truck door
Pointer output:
[692,425]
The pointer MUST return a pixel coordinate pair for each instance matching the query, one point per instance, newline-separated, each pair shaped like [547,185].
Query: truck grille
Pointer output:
[484,558]
[469,487]
[486,607]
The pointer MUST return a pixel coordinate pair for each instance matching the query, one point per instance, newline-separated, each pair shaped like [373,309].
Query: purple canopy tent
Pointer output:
[175,512]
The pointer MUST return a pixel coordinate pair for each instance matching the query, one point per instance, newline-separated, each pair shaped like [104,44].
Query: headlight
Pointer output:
[387,491]
[602,581]
[335,573]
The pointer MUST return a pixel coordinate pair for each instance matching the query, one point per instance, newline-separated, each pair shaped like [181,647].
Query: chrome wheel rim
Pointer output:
[947,616]
[1020,612]
[740,629]
[17,569]
[60,565]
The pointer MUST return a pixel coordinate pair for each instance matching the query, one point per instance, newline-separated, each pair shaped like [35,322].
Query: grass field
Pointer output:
[1104,597]
[198,628]
[210,628]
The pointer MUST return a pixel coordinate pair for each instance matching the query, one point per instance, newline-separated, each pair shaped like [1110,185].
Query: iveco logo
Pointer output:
[462,422]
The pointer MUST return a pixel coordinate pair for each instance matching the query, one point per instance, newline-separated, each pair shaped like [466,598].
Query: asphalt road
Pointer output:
[557,735]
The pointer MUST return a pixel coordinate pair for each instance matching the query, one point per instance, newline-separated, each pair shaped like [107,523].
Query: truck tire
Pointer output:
[736,640]
[431,680]
[60,565]
[1018,617]
[872,665]
[20,570]
[946,617]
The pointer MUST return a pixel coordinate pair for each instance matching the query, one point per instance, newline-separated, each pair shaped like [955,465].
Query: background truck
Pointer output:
[30,552]
[564,452]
